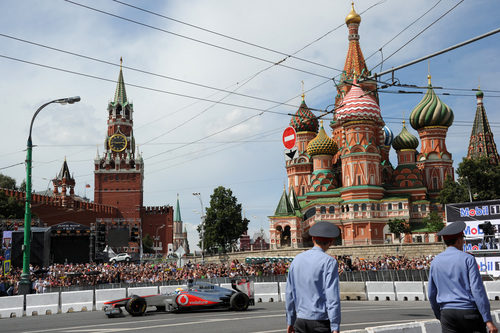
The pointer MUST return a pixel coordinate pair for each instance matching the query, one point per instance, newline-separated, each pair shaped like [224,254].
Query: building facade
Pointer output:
[346,178]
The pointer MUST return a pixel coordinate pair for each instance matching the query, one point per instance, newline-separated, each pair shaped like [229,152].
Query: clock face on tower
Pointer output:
[117,142]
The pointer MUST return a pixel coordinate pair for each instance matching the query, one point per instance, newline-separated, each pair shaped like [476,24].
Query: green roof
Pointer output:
[177,215]
[284,206]
[418,227]
[120,93]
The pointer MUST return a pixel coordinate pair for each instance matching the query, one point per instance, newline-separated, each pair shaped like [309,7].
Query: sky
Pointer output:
[213,88]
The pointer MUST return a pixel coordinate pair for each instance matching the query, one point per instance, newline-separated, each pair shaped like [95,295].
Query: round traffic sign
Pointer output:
[289,137]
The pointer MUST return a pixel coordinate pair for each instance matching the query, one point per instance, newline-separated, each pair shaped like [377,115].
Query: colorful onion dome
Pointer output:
[388,136]
[358,105]
[405,140]
[353,17]
[304,120]
[431,111]
[322,144]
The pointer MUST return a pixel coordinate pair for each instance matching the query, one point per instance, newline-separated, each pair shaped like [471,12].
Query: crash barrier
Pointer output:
[42,304]
[11,306]
[104,295]
[492,289]
[266,292]
[425,326]
[170,289]
[347,276]
[77,301]
[353,291]
[385,275]
[409,291]
[380,291]
[142,291]
[282,288]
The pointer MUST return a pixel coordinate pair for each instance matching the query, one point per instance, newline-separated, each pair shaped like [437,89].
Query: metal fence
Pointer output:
[354,276]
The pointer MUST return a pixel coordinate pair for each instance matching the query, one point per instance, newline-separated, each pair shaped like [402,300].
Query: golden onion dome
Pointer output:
[322,144]
[353,17]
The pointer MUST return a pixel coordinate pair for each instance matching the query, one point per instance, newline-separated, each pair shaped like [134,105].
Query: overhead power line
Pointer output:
[421,32]
[392,70]
[279,63]
[224,35]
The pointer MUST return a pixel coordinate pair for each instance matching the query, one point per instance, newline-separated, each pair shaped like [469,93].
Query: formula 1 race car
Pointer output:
[197,296]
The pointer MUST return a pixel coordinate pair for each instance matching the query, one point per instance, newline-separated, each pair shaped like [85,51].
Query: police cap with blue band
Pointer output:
[452,230]
[324,230]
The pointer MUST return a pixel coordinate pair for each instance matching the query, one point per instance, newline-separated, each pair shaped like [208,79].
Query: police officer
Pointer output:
[456,290]
[312,289]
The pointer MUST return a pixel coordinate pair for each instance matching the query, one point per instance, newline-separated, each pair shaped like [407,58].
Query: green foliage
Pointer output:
[223,222]
[10,208]
[476,175]
[398,227]
[22,187]
[7,182]
[147,244]
[433,222]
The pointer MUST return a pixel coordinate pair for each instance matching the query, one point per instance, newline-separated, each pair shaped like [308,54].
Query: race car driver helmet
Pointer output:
[179,290]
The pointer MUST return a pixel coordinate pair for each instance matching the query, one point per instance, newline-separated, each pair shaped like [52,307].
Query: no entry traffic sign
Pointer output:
[289,137]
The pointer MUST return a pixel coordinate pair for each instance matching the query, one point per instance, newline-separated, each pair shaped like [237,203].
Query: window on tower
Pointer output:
[322,210]
[118,110]
[356,207]
[363,207]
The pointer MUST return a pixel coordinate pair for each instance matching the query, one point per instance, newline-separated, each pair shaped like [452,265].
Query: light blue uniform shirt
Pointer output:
[455,283]
[312,288]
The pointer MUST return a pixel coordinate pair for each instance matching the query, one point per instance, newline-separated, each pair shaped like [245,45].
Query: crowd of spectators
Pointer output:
[91,274]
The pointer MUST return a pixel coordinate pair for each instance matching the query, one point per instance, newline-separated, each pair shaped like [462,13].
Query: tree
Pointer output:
[7,182]
[223,222]
[10,208]
[398,227]
[147,244]
[477,180]
[433,222]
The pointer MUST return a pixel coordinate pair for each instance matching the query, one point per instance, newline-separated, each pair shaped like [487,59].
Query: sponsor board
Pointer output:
[476,215]
[488,265]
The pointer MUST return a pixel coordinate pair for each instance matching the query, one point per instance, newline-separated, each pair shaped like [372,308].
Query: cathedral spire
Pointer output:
[481,142]
[120,93]
[177,216]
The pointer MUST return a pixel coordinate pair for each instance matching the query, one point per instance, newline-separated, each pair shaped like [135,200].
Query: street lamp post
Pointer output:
[25,283]
[197,194]
[157,238]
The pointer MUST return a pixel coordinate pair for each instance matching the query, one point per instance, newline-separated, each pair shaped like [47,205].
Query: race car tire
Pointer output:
[239,301]
[136,306]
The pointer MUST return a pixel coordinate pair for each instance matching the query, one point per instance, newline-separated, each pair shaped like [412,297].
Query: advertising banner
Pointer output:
[482,219]
[482,232]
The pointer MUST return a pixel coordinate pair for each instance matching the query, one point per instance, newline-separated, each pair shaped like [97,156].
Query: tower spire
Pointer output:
[481,142]
[177,216]
[120,93]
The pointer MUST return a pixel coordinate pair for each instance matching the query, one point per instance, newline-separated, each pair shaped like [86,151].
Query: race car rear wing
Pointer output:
[243,285]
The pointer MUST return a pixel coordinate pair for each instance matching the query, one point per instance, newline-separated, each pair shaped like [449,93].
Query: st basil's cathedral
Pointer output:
[347,179]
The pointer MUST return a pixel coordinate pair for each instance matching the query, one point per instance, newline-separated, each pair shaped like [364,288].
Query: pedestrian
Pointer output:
[456,290]
[312,289]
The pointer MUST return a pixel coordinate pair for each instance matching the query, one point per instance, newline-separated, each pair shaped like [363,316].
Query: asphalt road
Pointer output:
[263,318]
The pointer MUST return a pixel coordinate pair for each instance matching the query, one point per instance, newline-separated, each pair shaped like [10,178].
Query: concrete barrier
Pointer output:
[426,290]
[282,289]
[413,327]
[42,304]
[431,326]
[142,291]
[77,301]
[11,306]
[492,290]
[409,291]
[170,289]
[353,291]
[266,292]
[380,291]
[105,295]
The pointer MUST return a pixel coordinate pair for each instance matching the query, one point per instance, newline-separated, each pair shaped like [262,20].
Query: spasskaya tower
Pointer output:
[119,172]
